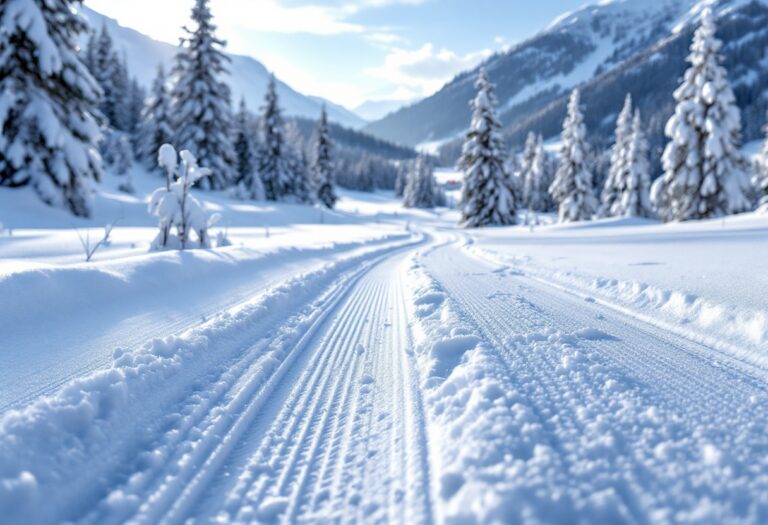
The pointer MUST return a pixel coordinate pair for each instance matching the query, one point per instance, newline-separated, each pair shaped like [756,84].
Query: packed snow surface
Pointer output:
[379,365]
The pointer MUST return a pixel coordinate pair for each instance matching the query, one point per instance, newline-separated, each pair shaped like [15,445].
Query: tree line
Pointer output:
[705,174]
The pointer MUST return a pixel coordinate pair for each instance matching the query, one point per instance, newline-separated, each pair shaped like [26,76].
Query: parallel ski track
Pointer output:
[345,441]
[320,425]
[705,398]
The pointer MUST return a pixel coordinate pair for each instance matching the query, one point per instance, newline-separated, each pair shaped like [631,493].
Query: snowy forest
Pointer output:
[309,262]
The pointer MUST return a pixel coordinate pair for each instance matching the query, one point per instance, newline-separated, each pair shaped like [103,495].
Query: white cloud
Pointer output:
[426,68]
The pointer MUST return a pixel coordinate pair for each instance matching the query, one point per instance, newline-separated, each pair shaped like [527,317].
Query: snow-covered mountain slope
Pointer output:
[248,76]
[576,48]
[376,109]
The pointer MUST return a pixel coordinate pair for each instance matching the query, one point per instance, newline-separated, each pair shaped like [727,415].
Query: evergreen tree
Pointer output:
[487,198]
[536,183]
[273,161]
[105,68]
[610,199]
[201,100]
[529,153]
[134,107]
[760,177]
[572,189]
[48,98]
[365,174]
[322,163]
[156,127]
[704,170]
[401,180]
[298,165]
[249,185]
[421,190]
[635,186]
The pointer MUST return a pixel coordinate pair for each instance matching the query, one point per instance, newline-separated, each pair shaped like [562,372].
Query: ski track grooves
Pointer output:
[650,392]
[338,425]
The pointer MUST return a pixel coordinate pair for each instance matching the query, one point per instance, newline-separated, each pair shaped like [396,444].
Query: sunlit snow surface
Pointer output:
[374,364]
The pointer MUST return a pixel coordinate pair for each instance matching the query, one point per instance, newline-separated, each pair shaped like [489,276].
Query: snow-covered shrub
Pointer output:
[180,214]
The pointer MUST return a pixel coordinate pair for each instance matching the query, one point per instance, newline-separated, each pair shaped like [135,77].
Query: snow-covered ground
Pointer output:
[374,364]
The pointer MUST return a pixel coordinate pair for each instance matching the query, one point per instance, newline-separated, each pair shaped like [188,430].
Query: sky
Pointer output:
[350,51]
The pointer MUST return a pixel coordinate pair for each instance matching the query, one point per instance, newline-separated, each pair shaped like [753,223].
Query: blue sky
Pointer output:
[350,51]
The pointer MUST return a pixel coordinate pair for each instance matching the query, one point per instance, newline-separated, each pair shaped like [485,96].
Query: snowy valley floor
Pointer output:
[373,365]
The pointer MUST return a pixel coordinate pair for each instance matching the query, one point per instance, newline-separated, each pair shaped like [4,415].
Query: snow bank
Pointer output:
[739,330]
[495,459]
[113,420]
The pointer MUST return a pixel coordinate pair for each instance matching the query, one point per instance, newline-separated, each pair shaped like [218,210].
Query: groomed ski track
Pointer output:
[331,417]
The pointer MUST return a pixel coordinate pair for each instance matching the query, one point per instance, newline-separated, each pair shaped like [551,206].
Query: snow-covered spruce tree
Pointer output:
[48,98]
[529,153]
[174,205]
[248,181]
[274,164]
[156,118]
[105,68]
[323,177]
[421,190]
[610,197]
[572,188]
[487,198]
[536,185]
[202,112]
[635,185]
[705,174]
[401,179]
[299,165]
[760,177]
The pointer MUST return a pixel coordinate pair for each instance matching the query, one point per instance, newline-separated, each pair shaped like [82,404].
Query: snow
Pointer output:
[373,363]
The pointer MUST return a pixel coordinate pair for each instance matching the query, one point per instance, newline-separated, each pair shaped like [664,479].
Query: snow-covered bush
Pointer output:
[180,214]
[704,169]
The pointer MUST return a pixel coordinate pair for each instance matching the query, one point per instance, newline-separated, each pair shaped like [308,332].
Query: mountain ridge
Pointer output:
[248,77]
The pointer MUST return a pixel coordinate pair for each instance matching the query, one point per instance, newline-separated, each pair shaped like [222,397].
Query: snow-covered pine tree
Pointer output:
[529,153]
[705,174]
[536,185]
[298,165]
[635,185]
[572,188]
[248,180]
[274,164]
[487,198]
[134,106]
[760,178]
[610,198]
[202,112]
[105,68]
[156,127]
[48,131]
[364,169]
[421,190]
[323,177]
[401,179]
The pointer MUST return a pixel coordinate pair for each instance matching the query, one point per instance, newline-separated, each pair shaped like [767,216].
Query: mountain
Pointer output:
[248,77]
[372,110]
[609,48]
